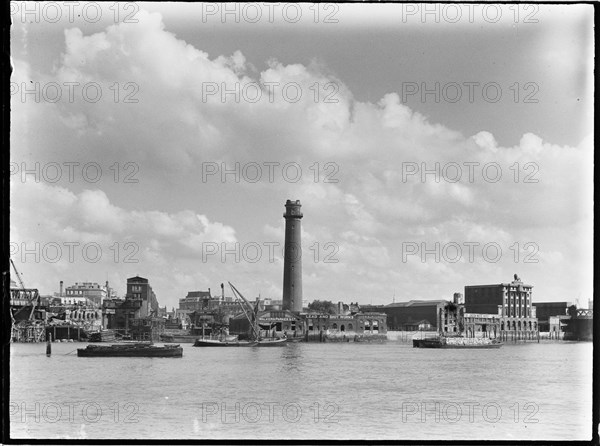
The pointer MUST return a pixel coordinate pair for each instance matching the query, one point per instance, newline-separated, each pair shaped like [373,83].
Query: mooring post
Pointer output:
[49,345]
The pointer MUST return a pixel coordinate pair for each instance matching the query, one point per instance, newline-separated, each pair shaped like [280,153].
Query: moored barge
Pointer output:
[223,343]
[233,341]
[140,349]
[456,343]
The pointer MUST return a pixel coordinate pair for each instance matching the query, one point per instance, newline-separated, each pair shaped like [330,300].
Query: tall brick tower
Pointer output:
[292,261]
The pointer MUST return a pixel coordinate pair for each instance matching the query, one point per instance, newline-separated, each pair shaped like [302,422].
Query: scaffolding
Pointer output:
[28,325]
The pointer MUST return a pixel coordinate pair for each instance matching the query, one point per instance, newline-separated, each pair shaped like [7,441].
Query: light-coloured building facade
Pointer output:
[93,291]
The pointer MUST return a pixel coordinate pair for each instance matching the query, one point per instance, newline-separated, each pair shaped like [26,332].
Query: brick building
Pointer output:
[413,315]
[139,289]
[140,303]
[314,327]
[546,310]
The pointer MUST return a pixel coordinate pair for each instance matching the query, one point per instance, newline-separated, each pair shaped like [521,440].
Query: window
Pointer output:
[334,326]
[349,326]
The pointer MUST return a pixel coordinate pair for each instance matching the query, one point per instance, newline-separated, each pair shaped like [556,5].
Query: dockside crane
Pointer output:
[247,308]
[32,297]
[17,273]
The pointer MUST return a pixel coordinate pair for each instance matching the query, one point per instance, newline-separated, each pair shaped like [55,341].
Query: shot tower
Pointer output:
[292,261]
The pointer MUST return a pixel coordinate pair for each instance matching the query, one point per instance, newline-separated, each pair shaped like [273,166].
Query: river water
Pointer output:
[306,391]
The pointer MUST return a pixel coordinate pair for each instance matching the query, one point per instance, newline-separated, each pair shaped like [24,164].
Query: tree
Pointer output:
[322,306]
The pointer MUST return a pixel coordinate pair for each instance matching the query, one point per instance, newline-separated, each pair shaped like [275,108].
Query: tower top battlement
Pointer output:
[292,209]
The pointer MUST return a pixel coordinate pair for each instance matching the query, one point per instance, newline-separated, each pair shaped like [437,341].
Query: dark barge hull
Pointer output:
[130,352]
[217,343]
[272,343]
[261,343]
[428,343]
[182,339]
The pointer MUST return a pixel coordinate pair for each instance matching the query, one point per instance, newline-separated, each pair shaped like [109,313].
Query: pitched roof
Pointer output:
[417,303]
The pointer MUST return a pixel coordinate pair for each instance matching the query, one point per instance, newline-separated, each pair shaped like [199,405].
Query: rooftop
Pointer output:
[416,303]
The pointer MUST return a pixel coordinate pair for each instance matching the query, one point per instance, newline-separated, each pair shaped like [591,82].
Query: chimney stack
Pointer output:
[61,288]
[222,293]
[292,262]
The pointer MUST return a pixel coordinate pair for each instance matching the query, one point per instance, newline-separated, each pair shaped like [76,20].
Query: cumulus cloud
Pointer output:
[375,176]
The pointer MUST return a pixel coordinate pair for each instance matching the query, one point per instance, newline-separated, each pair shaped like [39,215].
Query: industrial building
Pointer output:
[510,303]
[546,310]
[413,315]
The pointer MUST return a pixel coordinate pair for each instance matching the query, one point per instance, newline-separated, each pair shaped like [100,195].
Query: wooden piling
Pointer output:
[49,345]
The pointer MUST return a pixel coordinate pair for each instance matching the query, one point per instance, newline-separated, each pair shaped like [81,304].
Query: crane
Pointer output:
[252,310]
[31,295]
[17,274]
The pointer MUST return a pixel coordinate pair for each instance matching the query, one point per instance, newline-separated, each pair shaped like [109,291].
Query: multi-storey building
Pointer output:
[510,303]
[139,289]
[91,290]
[140,303]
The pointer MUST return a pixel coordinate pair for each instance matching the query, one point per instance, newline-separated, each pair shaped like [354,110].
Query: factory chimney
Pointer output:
[61,288]
[222,293]
[292,261]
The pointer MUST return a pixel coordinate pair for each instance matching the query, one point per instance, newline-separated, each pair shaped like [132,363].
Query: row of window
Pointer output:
[85,315]
[80,293]
[367,325]
[522,313]
[516,325]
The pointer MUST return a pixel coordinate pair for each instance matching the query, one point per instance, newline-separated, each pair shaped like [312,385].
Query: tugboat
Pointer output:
[138,349]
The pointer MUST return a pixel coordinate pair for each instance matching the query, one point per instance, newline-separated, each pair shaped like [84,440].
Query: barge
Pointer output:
[223,343]
[138,349]
[233,341]
[456,343]
[180,339]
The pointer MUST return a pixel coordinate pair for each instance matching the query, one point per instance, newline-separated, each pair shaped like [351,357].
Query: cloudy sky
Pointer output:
[429,150]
